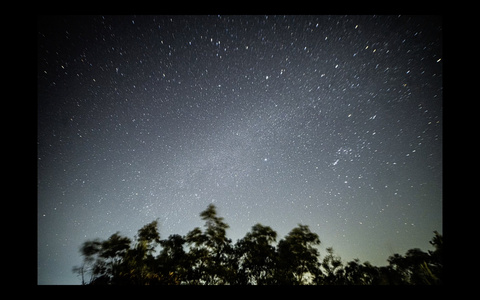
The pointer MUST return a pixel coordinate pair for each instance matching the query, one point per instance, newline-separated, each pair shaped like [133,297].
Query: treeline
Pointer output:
[208,257]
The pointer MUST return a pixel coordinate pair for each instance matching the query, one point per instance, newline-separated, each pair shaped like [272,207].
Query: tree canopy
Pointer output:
[208,257]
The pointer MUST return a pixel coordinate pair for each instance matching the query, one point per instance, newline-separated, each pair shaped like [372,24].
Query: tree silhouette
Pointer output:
[209,250]
[172,261]
[434,270]
[297,258]
[332,269]
[356,273]
[207,257]
[417,267]
[256,256]
[102,259]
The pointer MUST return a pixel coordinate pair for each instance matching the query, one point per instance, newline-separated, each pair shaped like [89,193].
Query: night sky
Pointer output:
[330,121]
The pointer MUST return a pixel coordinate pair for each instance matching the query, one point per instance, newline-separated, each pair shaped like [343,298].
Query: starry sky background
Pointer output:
[330,121]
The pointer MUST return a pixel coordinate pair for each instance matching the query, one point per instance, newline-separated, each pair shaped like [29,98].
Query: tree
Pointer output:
[149,235]
[173,261]
[211,249]
[113,252]
[115,261]
[138,266]
[332,268]
[418,267]
[297,258]
[435,270]
[356,273]
[414,261]
[90,250]
[256,256]
[102,259]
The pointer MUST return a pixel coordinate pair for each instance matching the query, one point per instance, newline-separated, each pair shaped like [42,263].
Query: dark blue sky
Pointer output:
[330,121]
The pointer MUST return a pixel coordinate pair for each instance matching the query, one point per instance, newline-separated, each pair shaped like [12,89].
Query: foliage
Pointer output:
[256,256]
[210,250]
[297,258]
[333,272]
[208,257]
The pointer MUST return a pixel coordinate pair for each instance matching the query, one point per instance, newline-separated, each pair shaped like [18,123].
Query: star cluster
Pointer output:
[330,121]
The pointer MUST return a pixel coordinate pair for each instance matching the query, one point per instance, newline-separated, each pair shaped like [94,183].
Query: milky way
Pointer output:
[330,121]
